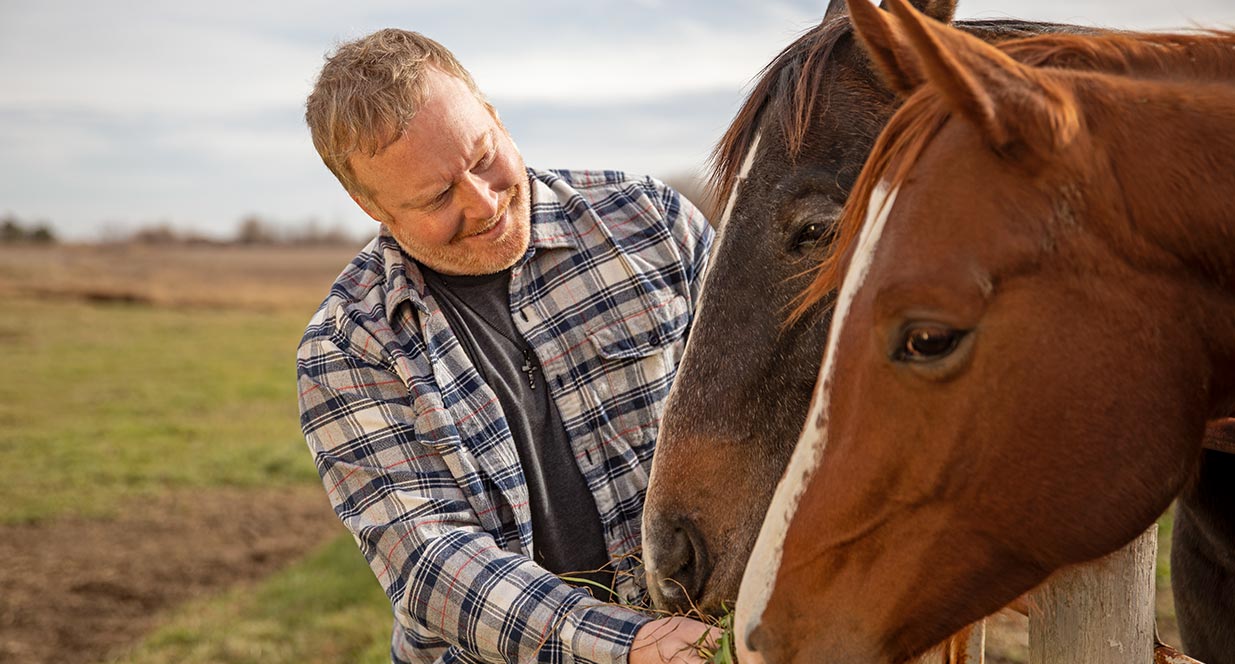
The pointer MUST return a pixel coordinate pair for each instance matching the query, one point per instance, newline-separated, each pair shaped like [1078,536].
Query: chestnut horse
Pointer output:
[743,386]
[1035,322]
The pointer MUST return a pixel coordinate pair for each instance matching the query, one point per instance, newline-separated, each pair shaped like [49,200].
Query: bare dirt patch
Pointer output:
[77,589]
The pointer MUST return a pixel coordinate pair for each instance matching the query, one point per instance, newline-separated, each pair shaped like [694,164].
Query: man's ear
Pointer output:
[497,117]
[370,208]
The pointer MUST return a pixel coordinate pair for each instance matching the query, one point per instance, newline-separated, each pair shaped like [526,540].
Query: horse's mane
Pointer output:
[791,83]
[794,76]
[1207,56]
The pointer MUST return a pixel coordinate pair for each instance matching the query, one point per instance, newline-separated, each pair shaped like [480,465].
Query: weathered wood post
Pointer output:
[970,648]
[1098,613]
[967,647]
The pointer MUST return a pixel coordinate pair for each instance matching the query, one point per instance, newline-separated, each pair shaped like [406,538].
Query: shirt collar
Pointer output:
[551,229]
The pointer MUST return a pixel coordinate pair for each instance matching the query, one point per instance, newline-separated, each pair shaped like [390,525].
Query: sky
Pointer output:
[117,114]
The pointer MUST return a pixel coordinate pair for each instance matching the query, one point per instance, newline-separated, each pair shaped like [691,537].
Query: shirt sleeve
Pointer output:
[690,229]
[443,573]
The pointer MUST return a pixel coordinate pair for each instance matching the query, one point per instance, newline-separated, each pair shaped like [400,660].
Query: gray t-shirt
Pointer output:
[566,528]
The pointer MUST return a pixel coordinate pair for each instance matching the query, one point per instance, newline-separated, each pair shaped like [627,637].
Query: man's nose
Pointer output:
[480,199]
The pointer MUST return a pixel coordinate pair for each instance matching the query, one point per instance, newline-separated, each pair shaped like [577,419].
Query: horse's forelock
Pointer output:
[790,84]
[898,147]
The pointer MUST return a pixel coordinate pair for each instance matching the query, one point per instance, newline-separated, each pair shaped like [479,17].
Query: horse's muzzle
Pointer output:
[677,564]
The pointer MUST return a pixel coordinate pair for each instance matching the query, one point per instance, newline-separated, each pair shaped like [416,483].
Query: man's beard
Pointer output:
[491,257]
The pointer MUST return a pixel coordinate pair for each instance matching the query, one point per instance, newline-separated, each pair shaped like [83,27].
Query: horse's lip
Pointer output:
[1224,425]
[1220,434]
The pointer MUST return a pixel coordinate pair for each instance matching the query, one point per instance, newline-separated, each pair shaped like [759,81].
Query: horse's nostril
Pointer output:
[748,647]
[681,568]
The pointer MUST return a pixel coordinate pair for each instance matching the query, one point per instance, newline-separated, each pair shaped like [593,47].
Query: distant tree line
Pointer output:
[255,230]
[16,231]
[252,230]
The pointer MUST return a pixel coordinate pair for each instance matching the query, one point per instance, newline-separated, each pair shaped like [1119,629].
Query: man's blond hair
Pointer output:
[368,91]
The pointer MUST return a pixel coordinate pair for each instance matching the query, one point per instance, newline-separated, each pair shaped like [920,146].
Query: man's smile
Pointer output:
[495,224]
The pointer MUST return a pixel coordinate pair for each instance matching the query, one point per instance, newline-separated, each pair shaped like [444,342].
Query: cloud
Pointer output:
[668,136]
[144,63]
[142,109]
[681,54]
[1139,15]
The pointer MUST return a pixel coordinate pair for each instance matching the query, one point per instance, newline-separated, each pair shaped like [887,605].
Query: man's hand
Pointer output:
[672,640]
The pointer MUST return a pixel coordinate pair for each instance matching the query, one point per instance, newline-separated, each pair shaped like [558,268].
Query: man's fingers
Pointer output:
[675,639]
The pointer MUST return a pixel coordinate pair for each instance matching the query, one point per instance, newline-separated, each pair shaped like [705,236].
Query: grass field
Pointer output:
[158,496]
[138,377]
[105,402]
[133,369]
[326,609]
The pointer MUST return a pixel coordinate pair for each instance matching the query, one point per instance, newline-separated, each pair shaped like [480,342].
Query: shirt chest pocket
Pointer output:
[643,327]
[638,349]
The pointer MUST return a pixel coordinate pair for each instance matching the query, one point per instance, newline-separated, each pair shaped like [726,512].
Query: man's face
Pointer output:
[453,189]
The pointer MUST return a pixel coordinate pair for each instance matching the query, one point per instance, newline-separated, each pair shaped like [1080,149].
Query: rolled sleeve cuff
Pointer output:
[602,633]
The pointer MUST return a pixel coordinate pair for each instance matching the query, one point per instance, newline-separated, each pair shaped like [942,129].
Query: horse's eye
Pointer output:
[810,235]
[928,342]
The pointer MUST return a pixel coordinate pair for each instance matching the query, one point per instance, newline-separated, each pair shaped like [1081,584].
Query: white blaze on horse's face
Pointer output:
[764,562]
[747,163]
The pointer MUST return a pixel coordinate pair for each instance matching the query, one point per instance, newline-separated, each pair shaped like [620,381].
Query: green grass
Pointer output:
[1166,525]
[106,402]
[325,609]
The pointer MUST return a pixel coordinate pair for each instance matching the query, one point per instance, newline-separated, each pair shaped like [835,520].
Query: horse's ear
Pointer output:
[940,10]
[835,8]
[1015,106]
[888,47]
[943,11]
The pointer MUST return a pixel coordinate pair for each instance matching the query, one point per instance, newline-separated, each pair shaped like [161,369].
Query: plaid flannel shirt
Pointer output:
[417,458]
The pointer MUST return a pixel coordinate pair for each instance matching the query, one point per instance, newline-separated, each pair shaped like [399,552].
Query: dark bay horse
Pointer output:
[744,384]
[1034,324]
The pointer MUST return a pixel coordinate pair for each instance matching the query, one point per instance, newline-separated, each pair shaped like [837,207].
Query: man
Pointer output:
[481,389]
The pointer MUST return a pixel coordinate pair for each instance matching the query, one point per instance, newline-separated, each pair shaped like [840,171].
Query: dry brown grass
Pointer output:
[179,276]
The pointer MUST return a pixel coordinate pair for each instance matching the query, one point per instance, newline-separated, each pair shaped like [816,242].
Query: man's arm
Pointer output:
[421,537]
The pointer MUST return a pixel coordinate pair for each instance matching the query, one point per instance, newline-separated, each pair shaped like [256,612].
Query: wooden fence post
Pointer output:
[1098,613]
[967,647]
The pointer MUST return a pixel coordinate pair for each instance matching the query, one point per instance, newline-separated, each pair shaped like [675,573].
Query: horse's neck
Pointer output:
[1173,157]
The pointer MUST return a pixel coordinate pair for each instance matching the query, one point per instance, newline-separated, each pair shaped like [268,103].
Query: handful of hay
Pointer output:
[722,651]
